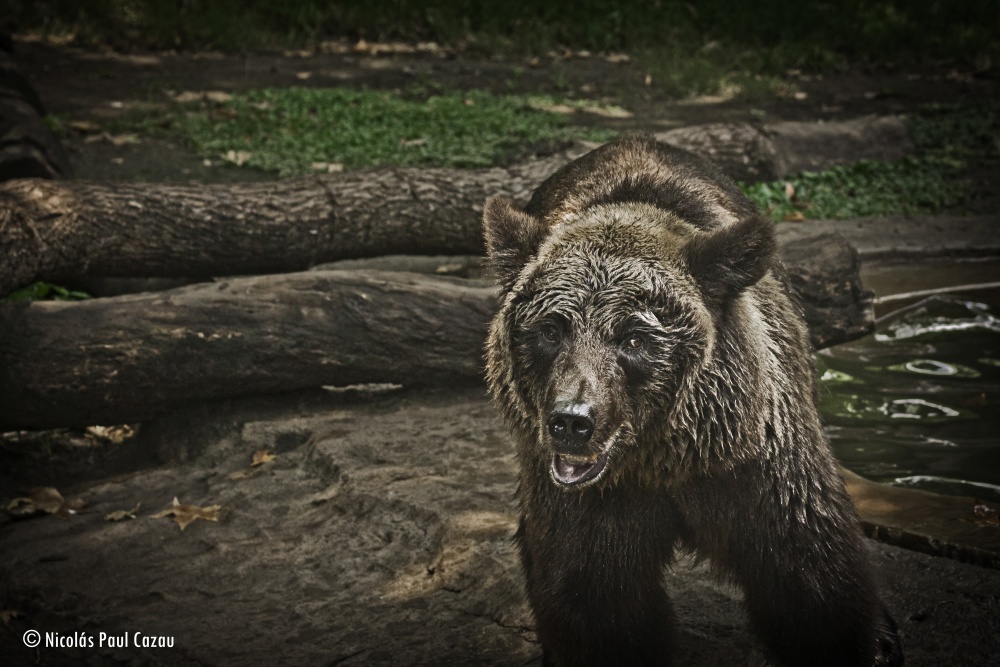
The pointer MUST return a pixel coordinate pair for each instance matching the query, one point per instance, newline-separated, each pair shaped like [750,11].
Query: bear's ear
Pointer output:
[726,261]
[512,237]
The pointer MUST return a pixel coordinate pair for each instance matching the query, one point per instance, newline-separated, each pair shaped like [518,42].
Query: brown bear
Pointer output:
[657,376]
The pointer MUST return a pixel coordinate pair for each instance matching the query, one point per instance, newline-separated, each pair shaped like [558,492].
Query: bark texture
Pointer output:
[128,358]
[752,153]
[58,231]
[824,271]
[62,231]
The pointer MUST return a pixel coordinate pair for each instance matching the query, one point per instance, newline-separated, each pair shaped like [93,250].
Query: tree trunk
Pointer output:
[824,270]
[129,358]
[61,231]
[751,154]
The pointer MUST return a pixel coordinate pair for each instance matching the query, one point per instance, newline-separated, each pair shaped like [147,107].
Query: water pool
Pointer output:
[917,403]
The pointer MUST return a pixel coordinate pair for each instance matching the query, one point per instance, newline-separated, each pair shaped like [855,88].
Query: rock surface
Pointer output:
[379,535]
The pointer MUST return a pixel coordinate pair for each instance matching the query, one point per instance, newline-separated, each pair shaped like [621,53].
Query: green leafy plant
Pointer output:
[42,291]
[963,132]
[864,188]
[948,139]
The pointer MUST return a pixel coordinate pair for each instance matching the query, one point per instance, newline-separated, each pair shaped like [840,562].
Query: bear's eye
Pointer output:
[634,342]
[551,334]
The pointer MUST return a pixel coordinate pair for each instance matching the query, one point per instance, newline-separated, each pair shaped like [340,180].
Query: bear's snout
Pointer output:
[571,425]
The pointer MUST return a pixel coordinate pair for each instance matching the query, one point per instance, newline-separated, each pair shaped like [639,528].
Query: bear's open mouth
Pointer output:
[571,470]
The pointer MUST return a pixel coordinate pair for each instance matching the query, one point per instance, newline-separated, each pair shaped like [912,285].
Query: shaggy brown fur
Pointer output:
[659,384]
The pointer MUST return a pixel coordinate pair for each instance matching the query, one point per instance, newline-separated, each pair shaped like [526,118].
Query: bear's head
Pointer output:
[606,321]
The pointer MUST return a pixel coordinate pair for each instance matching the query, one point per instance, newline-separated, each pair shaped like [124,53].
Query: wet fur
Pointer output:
[710,426]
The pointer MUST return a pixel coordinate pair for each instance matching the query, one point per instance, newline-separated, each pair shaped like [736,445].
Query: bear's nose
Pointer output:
[571,425]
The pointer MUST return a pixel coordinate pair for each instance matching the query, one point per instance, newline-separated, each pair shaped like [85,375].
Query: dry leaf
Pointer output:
[262,456]
[302,76]
[328,167]
[794,216]
[413,142]
[983,515]
[122,139]
[554,108]
[21,507]
[239,158]
[118,140]
[608,111]
[115,434]
[7,615]
[185,514]
[216,96]
[45,499]
[187,96]
[789,190]
[84,126]
[121,515]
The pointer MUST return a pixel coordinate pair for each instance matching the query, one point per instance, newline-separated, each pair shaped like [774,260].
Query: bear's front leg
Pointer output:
[595,586]
[803,567]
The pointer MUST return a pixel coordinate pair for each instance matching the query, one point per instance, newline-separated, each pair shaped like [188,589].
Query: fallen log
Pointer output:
[752,153]
[62,231]
[129,358]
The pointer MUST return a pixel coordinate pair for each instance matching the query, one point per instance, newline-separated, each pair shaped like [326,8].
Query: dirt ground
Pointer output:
[380,533]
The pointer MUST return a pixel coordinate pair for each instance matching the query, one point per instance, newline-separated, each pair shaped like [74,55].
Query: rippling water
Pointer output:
[917,403]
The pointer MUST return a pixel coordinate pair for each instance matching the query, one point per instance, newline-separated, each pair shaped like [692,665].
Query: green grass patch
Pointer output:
[911,185]
[298,130]
[949,139]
